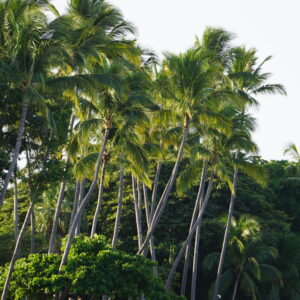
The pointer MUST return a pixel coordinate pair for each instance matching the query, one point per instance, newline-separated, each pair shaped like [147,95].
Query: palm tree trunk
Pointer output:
[100,197]
[60,198]
[191,234]
[196,250]
[154,191]
[153,202]
[226,237]
[16,208]
[84,202]
[164,198]
[75,204]
[16,151]
[197,207]
[32,218]
[236,285]
[195,263]
[120,203]
[32,232]
[56,216]
[137,208]
[148,218]
[80,199]
[15,253]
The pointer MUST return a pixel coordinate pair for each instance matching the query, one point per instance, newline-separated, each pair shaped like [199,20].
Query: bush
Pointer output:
[93,269]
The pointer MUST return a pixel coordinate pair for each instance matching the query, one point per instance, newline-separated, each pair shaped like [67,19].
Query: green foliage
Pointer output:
[93,269]
[83,66]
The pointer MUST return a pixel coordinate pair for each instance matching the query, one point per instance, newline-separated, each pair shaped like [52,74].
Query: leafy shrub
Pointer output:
[93,269]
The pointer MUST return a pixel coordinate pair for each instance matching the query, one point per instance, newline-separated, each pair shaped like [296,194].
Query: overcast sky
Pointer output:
[270,26]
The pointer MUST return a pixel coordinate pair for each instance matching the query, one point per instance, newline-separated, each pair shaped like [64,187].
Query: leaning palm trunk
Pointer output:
[16,151]
[16,208]
[154,191]
[226,237]
[84,202]
[120,203]
[99,201]
[80,199]
[137,208]
[197,207]
[148,218]
[164,198]
[60,199]
[191,234]
[16,251]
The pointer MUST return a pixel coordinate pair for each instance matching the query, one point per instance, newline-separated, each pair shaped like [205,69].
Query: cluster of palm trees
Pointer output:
[129,112]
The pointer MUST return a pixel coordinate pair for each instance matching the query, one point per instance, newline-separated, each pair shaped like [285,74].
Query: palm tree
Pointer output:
[248,81]
[215,155]
[107,127]
[187,78]
[292,151]
[113,107]
[216,42]
[246,260]
[100,195]
[39,51]
[99,31]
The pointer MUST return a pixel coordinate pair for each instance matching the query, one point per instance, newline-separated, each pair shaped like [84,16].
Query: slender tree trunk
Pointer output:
[154,191]
[196,248]
[137,208]
[84,202]
[16,151]
[16,208]
[236,285]
[226,237]
[15,253]
[120,203]
[100,197]
[56,216]
[80,199]
[153,203]
[32,217]
[195,263]
[140,207]
[148,218]
[32,232]
[60,198]
[191,234]
[75,204]
[164,198]
[197,207]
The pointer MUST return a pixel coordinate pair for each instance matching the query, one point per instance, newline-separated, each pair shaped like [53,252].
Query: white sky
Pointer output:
[267,25]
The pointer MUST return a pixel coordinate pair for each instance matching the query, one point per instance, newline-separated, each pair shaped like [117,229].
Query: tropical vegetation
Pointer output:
[138,178]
